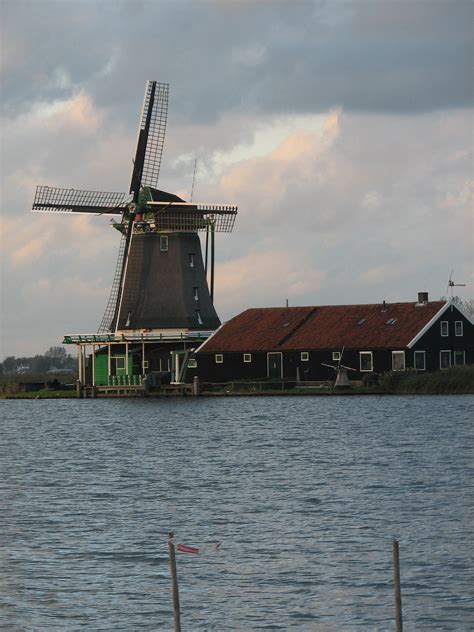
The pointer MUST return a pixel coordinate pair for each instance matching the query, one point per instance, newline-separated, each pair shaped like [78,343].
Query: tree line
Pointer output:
[54,359]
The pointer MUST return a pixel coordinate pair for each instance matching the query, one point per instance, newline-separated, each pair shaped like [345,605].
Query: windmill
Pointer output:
[452,285]
[342,379]
[160,283]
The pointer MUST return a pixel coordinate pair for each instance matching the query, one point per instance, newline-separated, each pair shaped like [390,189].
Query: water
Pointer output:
[306,495]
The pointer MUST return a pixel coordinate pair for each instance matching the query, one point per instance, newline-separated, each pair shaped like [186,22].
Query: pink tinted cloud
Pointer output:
[265,278]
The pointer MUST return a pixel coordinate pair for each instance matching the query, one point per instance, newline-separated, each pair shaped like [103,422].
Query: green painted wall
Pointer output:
[101,369]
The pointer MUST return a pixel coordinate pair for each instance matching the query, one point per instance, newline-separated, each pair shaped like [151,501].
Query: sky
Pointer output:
[343,131]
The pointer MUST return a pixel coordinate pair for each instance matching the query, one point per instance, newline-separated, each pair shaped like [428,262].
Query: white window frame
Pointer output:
[192,363]
[398,353]
[198,316]
[449,356]
[281,362]
[191,259]
[163,243]
[304,356]
[444,328]
[247,357]
[336,356]
[463,357]
[122,359]
[461,328]
[371,355]
[196,293]
[421,354]
[145,364]
[219,358]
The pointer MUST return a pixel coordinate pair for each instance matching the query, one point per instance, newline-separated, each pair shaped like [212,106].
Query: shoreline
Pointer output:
[207,394]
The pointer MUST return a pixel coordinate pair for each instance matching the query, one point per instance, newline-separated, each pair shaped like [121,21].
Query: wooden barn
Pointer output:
[294,343]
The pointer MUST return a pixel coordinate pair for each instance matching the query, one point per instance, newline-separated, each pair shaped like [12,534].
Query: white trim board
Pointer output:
[431,322]
[210,338]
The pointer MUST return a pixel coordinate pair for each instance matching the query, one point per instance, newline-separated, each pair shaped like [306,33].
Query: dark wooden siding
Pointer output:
[234,368]
[159,285]
[432,342]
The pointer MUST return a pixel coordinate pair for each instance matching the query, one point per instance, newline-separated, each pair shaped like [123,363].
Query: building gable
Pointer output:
[449,306]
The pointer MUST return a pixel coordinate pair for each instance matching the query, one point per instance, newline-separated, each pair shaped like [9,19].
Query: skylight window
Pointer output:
[391,321]
[286,325]
[361,321]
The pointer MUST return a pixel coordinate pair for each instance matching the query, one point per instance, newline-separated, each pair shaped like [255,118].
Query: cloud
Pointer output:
[366,207]
[283,57]
[266,278]
[75,113]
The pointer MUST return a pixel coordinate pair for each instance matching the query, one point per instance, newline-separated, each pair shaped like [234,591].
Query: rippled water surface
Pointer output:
[306,495]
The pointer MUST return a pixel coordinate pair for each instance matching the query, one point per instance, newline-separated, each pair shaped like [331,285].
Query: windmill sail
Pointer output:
[55,200]
[151,137]
[109,314]
[145,172]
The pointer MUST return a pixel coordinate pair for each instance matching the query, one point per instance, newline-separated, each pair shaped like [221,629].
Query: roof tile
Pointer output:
[372,326]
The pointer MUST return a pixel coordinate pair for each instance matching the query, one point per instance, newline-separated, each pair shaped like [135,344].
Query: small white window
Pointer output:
[192,363]
[120,363]
[304,356]
[247,357]
[219,358]
[191,260]
[145,364]
[163,243]
[419,360]
[198,316]
[366,361]
[196,293]
[459,357]
[444,328]
[444,359]
[458,328]
[398,360]
[336,356]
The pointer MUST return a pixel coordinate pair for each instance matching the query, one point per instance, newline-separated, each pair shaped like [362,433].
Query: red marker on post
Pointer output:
[184,548]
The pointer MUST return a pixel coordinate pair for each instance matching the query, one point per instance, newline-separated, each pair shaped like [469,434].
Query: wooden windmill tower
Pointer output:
[160,289]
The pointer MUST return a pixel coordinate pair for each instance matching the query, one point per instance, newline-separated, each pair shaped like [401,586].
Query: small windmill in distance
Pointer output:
[452,284]
[342,379]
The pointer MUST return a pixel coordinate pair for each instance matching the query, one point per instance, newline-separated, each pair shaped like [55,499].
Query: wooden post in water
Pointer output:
[174,583]
[396,586]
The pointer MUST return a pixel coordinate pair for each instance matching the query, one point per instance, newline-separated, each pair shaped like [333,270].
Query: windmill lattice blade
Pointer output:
[156,136]
[53,199]
[106,322]
[194,217]
[151,136]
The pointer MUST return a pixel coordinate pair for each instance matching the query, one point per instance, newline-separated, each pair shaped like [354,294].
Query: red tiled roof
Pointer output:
[326,327]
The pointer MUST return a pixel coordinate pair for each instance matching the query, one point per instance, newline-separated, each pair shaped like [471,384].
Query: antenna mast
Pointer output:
[194,178]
